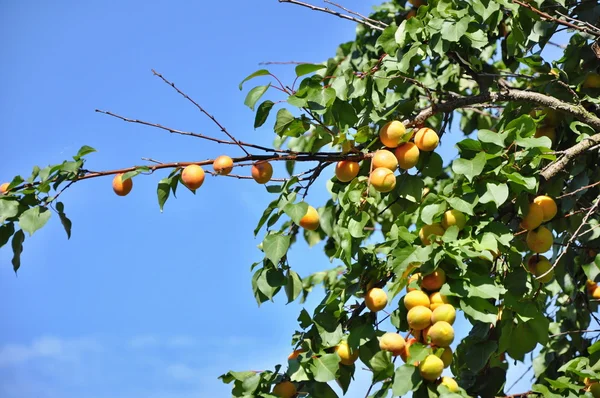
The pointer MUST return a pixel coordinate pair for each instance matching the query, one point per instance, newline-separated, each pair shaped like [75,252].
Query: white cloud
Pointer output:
[47,347]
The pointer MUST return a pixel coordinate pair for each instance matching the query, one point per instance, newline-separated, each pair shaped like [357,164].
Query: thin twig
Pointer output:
[578,190]
[332,12]
[518,380]
[357,14]
[575,331]
[558,21]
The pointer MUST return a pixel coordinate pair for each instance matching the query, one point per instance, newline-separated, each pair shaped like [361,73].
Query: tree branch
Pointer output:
[332,12]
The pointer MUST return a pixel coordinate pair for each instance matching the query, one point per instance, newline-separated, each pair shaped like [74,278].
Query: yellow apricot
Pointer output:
[393,343]
[436,299]
[441,334]
[454,217]
[416,298]
[444,312]
[539,240]
[446,357]
[310,220]
[590,286]
[450,383]
[533,218]
[376,299]
[391,133]
[419,317]
[386,159]
[427,230]
[431,367]
[427,139]
[192,176]
[548,205]
[596,293]
[383,179]
[346,170]
[407,155]
[434,281]
[262,171]
[4,188]
[347,355]
[122,188]
[592,80]
[223,165]
[539,266]
[285,389]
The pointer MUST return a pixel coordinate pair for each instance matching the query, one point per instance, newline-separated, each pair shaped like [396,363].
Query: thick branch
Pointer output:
[332,12]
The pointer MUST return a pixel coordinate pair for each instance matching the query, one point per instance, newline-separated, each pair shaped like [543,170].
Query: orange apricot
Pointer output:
[386,159]
[122,188]
[262,172]
[310,220]
[192,176]
[346,170]
[223,165]
[391,133]
[426,139]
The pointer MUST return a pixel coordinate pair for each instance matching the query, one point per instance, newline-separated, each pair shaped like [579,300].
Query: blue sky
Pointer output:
[141,303]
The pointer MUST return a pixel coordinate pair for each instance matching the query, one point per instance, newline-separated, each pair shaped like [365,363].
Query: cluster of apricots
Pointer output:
[385,162]
[449,218]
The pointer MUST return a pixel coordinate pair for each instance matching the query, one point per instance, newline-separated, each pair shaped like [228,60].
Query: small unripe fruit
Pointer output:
[393,343]
[441,334]
[540,240]
[391,134]
[386,159]
[548,205]
[427,230]
[446,357]
[376,299]
[592,80]
[192,176]
[454,217]
[285,389]
[416,298]
[533,218]
[436,300]
[262,172]
[223,165]
[450,383]
[445,312]
[310,220]
[431,367]
[382,179]
[434,281]
[407,155]
[347,355]
[427,139]
[419,317]
[122,188]
[346,170]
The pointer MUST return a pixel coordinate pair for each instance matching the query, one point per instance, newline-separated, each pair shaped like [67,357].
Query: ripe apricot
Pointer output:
[427,139]
[546,131]
[346,170]
[436,299]
[376,299]
[419,317]
[407,155]
[386,159]
[347,355]
[590,286]
[416,298]
[441,334]
[427,230]
[450,383]
[413,278]
[122,188]
[444,312]
[295,354]
[285,389]
[431,367]
[391,133]
[382,179]
[406,353]
[592,80]
[548,205]
[392,342]
[454,217]
[539,240]
[4,188]
[434,281]
[310,220]
[540,267]
[533,218]
[596,293]
[223,165]
[192,176]
[446,357]
[262,172]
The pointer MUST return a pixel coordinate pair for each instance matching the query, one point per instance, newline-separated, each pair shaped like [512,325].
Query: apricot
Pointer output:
[539,240]
[419,317]
[310,220]
[587,381]
[595,387]
[450,383]
[346,170]
[285,389]
[376,299]
[391,133]
[596,293]
[434,281]
[446,357]
[406,353]
[122,188]
[444,312]
[592,80]
[223,165]
[533,218]
[441,334]
[413,278]
[262,172]
[546,131]
[436,299]
[416,298]
[382,179]
[347,355]
[295,354]
[393,343]
[386,159]
[427,230]
[4,188]
[590,286]
[431,367]
[417,3]
[407,155]
[548,205]
[427,139]
[540,268]
[454,217]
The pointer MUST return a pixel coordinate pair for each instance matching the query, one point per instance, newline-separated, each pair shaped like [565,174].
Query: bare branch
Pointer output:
[329,11]
[357,14]
[549,17]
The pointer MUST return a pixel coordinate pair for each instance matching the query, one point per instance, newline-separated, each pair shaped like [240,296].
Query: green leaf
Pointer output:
[284,118]
[491,137]
[453,31]
[356,224]
[429,212]
[64,220]
[410,187]
[387,39]
[461,205]
[262,113]
[479,309]
[497,193]
[261,72]
[84,150]
[9,208]
[275,246]
[163,190]
[296,211]
[325,367]
[254,95]
[6,231]
[293,286]
[33,219]
[17,246]
[322,390]
[305,69]
[470,168]
[406,378]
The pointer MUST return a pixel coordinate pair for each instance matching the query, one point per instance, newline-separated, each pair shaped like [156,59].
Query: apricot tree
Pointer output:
[506,233]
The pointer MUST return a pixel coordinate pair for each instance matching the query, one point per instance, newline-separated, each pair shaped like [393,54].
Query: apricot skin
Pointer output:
[539,240]
[434,281]
[192,176]
[262,172]
[285,389]
[4,188]
[376,299]
[454,217]
[347,356]
[122,188]
[445,312]
[427,230]
[436,300]
[407,155]
[431,368]
[386,159]
[310,220]
[416,298]
[346,170]
[427,139]
[391,133]
[223,165]
[419,317]
[533,218]
[393,343]
[441,334]
[382,179]
[548,205]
